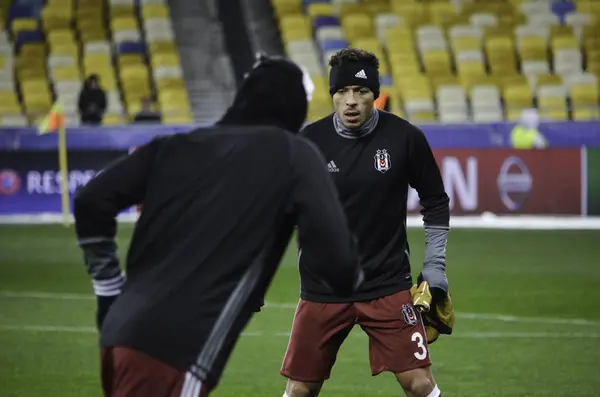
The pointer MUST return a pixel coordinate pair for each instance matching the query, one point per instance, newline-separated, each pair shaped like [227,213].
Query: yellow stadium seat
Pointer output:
[470,68]
[22,24]
[465,44]
[123,23]
[551,102]
[165,60]
[287,7]
[294,22]
[155,11]
[295,27]
[320,9]
[174,106]
[422,116]
[500,53]
[399,34]
[118,11]
[66,73]
[57,17]
[468,81]
[113,119]
[89,19]
[60,36]
[97,60]
[532,49]
[590,7]
[318,109]
[442,13]
[177,119]
[517,96]
[93,34]
[548,79]
[9,103]
[350,8]
[357,26]
[437,62]
[564,43]
[584,95]
[584,114]
[170,82]
[413,13]
[130,59]
[441,80]
[160,47]
[70,49]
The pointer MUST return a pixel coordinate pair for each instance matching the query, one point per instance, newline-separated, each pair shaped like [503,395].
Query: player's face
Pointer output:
[354,105]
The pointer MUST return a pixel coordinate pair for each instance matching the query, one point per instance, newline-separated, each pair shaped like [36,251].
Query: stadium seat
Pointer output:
[51,46]
[552,102]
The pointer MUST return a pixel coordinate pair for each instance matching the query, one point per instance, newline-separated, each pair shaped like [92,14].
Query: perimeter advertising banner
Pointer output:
[502,181]
[592,172]
[30,181]
[506,181]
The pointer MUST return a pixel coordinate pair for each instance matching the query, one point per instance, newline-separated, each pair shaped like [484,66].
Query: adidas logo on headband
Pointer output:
[361,74]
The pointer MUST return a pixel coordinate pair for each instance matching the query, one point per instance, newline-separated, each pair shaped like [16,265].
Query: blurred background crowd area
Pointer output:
[115,62]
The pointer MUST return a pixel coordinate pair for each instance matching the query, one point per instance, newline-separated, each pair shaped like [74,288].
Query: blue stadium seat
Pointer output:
[132,47]
[333,45]
[327,20]
[27,37]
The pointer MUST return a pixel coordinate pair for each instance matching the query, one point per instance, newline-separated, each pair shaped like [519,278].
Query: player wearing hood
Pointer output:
[219,207]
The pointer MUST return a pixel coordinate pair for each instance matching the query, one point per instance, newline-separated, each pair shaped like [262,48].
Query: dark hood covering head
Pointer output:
[272,93]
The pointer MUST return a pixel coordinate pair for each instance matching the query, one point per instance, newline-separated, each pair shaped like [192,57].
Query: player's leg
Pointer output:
[398,343]
[317,333]
[129,373]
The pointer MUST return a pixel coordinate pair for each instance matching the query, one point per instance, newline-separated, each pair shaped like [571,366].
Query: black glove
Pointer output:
[437,293]
[103,306]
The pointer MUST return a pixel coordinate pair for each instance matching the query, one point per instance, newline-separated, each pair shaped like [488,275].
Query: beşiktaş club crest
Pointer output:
[383,161]
[409,314]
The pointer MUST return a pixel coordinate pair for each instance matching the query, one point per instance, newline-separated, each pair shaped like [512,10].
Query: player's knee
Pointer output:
[302,389]
[417,383]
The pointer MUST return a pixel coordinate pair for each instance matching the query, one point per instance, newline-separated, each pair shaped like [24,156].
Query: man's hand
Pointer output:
[103,306]
[435,275]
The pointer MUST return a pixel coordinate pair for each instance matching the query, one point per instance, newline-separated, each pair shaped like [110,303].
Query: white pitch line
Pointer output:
[465,335]
[276,305]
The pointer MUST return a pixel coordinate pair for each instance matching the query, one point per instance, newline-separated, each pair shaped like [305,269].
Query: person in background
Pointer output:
[92,101]
[525,135]
[147,114]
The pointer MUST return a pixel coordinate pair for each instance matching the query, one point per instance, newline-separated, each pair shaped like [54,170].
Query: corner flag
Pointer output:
[55,122]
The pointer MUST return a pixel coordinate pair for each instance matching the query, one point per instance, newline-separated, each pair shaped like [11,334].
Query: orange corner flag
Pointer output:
[54,120]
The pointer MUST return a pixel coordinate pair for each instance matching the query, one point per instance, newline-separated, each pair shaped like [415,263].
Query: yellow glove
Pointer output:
[437,320]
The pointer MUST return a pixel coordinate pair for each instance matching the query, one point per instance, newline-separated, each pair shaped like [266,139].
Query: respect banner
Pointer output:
[506,181]
[30,180]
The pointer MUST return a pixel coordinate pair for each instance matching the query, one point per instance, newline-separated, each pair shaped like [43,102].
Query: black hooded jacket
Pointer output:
[219,207]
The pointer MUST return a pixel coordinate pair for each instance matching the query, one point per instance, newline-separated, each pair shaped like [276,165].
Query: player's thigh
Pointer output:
[318,331]
[397,338]
[129,373]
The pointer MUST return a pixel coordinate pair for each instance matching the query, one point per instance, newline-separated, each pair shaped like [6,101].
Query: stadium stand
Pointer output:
[457,61]
[48,47]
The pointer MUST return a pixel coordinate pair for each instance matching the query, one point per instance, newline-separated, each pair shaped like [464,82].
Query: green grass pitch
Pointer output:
[527,302]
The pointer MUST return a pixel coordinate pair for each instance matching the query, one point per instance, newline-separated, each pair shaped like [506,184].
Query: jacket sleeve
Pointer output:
[426,179]
[321,220]
[96,205]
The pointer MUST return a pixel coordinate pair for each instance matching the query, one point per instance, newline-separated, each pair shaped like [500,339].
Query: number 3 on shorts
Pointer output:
[422,354]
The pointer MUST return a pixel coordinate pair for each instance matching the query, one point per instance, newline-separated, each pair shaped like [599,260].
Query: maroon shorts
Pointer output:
[129,373]
[397,338]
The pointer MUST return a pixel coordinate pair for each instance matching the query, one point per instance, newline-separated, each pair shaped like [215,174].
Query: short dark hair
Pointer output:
[354,55]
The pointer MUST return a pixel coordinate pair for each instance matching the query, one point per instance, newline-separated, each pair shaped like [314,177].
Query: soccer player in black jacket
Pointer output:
[219,207]
[373,156]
